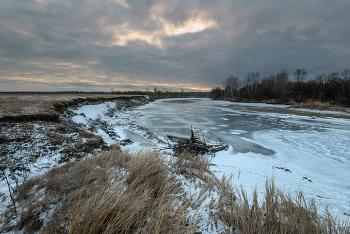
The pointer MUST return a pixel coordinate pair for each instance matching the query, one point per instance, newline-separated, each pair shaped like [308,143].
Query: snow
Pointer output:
[95,111]
[19,155]
[300,152]
[321,111]
[80,119]
[310,153]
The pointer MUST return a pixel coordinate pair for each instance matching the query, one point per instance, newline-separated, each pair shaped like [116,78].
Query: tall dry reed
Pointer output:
[148,200]
[276,213]
[140,192]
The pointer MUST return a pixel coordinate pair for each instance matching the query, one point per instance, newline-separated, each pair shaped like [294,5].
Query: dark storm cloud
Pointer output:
[87,45]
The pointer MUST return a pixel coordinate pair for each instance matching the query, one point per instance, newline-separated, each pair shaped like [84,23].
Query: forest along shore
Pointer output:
[308,108]
[38,133]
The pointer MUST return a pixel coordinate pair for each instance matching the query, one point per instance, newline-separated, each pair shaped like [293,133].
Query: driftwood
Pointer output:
[193,145]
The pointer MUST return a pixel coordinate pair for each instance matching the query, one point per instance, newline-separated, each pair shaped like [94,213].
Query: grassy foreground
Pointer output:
[145,192]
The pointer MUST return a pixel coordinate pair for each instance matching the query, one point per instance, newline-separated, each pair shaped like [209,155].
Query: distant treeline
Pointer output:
[156,94]
[332,87]
[56,92]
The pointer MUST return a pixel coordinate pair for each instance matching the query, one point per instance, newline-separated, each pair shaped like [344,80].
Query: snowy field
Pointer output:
[301,152]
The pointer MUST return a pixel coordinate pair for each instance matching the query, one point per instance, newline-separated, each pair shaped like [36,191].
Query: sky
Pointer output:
[97,45]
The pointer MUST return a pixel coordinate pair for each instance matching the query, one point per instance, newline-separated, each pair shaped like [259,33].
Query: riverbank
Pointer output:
[40,132]
[310,108]
[48,107]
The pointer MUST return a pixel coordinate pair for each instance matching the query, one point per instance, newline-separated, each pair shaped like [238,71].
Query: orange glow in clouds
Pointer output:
[123,33]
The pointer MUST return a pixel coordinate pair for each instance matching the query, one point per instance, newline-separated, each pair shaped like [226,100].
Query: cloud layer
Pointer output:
[51,45]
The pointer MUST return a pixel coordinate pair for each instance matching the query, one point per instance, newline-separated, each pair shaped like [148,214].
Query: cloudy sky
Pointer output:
[51,45]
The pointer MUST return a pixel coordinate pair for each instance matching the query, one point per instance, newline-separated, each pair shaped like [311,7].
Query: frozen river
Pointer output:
[301,150]
[307,152]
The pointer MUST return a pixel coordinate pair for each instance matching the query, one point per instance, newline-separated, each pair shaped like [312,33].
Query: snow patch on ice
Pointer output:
[80,119]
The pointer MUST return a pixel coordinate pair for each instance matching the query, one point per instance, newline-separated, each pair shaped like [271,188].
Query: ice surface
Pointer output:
[80,119]
[301,152]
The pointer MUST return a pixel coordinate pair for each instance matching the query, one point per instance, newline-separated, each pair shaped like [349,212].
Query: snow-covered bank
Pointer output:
[340,113]
[32,147]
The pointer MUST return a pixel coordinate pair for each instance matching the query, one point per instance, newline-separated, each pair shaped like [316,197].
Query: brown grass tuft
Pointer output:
[317,105]
[55,138]
[23,191]
[85,134]
[115,147]
[194,166]
[61,127]
[30,220]
[191,161]
[313,105]
[277,213]
[94,142]
[146,201]
[111,192]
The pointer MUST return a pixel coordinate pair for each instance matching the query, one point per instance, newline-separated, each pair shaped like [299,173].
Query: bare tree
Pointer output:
[256,80]
[248,82]
[225,85]
[345,74]
[300,75]
[320,79]
[237,85]
[282,80]
[231,86]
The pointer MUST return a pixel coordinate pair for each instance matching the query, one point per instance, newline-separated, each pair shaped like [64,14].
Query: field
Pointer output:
[31,107]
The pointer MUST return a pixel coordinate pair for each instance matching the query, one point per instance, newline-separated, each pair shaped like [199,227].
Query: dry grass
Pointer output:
[60,127]
[312,105]
[24,104]
[192,166]
[317,105]
[190,161]
[85,134]
[93,141]
[113,192]
[30,220]
[55,138]
[277,213]
[22,191]
[147,201]
[140,192]
[59,188]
